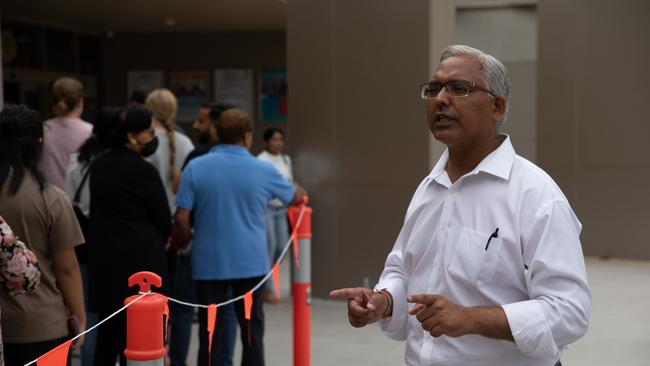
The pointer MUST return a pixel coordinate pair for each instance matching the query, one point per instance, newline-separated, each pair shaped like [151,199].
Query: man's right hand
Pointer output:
[365,306]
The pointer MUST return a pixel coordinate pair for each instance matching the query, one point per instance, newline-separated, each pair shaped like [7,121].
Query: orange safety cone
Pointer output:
[301,283]
[145,343]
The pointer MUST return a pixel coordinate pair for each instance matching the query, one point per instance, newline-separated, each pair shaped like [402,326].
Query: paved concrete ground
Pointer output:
[619,333]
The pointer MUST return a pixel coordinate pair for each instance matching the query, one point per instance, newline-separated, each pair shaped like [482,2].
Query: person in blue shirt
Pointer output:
[183,285]
[227,190]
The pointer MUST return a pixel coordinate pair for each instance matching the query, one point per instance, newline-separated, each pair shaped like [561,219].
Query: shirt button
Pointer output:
[444,227]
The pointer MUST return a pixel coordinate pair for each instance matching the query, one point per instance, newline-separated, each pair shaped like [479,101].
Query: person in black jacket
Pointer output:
[130,224]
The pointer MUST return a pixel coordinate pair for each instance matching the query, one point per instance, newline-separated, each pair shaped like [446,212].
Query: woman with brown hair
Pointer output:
[66,132]
[174,146]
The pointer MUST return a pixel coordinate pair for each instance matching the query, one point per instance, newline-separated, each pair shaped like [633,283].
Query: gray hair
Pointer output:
[495,74]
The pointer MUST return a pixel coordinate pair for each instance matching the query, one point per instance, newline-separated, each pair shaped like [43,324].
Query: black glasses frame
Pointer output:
[452,87]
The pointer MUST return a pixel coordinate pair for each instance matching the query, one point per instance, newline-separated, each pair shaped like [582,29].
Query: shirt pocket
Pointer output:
[470,260]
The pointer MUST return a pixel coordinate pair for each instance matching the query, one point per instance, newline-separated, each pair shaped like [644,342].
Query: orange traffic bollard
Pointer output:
[145,323]
[301,284]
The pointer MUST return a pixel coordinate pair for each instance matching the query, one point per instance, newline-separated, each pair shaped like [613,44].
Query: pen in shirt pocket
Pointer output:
[495,235]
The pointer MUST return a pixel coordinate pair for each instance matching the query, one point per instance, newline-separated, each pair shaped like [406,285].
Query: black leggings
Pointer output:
[18,354]
[111,341]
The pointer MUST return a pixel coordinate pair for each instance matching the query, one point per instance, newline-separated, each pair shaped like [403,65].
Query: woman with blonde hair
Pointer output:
[66,132]
[174,146]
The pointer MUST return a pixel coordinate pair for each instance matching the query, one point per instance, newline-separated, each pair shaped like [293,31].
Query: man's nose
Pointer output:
[443,95]
[441,100]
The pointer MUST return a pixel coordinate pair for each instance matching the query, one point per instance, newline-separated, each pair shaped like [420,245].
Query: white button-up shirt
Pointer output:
[533,266]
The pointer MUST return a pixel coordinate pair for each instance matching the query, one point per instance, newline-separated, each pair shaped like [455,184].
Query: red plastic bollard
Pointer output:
[144,320]
[301,285]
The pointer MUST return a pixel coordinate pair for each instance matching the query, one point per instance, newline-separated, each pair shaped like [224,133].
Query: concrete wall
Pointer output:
[509,34]
[361,144]
[593,125]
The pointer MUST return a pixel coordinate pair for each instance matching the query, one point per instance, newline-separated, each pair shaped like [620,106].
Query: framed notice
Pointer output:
[236,87]
[191,90]
[273,98]
[145,80]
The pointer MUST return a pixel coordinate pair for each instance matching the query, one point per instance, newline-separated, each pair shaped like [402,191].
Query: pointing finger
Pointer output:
[344,293]
[424,299]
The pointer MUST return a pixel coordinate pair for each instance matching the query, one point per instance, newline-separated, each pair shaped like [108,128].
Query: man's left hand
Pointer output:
[440,316]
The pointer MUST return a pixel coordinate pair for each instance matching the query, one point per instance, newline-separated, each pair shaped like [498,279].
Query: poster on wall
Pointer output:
[235,86]
[273,99]
[143,80]
[191,90]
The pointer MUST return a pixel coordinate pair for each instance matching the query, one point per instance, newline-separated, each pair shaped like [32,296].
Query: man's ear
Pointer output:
[248,139]
[498,108]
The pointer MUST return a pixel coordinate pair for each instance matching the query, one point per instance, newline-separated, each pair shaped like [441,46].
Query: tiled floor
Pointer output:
[619,332]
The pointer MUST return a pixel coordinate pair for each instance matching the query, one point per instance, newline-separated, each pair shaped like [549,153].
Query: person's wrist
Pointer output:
[389,308]
[472,317]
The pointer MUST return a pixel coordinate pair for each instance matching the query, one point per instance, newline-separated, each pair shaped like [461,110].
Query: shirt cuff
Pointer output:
[529,329]
[395,325]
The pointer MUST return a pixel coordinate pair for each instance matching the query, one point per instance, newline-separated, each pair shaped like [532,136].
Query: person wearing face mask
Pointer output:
[129,224]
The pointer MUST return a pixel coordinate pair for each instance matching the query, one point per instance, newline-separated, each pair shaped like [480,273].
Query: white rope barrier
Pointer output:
[101,322]
[259,284]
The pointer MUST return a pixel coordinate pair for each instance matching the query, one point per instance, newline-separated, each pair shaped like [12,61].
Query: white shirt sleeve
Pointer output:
[559,308]
[395,279]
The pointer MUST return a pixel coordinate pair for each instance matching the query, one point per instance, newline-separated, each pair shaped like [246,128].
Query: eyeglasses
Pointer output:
[455,88]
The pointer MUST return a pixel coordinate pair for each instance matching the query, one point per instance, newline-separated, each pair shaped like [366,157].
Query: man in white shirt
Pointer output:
[488,267]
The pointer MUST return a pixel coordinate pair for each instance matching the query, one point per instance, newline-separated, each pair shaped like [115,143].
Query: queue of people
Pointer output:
[96,203]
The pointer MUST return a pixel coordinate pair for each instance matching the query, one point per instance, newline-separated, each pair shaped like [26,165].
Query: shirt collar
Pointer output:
[497,163]
[230,149]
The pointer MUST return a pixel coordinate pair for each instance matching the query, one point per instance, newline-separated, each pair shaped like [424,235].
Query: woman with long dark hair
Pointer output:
[42,216]
[129,224]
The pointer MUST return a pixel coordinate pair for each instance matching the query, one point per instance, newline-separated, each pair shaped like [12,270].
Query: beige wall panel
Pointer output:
[521,124]
[593,128]
[357,126]
[612,204]
[369,216]
[311,111]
